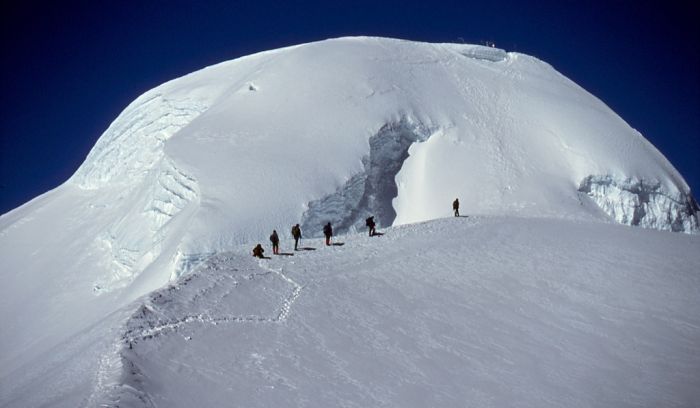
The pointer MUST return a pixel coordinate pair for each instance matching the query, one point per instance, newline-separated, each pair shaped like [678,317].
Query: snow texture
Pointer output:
[515,312]
[196,171]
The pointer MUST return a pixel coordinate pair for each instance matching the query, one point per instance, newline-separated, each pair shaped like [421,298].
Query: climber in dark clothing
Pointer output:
[328,232]
[455,206]
[296,234]
[258,251]
[275,242]
[371,225]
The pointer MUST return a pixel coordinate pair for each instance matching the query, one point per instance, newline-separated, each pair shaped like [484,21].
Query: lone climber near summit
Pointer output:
[455,207]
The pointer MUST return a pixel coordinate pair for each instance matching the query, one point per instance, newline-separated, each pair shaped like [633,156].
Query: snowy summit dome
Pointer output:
[334,131]
[340,129]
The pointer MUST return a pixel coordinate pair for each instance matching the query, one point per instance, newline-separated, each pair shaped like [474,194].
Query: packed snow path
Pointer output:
[476,311]
[200,298]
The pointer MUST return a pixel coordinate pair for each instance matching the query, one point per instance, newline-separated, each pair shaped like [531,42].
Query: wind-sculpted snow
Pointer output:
[137,238]
[643,202]
[133,144]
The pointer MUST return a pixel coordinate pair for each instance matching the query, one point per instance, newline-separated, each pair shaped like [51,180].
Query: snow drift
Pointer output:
[327,131]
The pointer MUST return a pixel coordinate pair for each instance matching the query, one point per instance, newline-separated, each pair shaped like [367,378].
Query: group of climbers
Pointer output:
[258,251]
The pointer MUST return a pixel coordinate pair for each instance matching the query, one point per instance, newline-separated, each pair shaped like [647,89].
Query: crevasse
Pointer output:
[371,191]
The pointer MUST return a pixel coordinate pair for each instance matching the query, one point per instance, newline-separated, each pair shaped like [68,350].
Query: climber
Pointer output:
[371,225]
[275,239]
[455,206]
[328,232]
[296,234]
[258,251]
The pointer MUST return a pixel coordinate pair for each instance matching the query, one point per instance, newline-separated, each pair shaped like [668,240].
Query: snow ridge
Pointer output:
[119,382]
[491,54]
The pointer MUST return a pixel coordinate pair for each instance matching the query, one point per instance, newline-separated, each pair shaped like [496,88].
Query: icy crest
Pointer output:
[133,144]
[484,53]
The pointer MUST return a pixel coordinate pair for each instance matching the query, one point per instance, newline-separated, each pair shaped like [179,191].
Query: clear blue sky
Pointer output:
[69,68]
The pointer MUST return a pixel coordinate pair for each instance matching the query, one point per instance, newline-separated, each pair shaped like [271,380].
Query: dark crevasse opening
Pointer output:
[370,192]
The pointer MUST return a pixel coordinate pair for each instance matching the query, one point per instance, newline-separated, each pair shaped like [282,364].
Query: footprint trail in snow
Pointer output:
[226,289]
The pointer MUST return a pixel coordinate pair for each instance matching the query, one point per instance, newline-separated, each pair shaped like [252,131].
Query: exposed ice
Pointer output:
[644,203]
[483,53]
[370,192]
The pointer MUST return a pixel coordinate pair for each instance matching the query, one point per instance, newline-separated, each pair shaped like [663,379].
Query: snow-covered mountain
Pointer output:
[207,164]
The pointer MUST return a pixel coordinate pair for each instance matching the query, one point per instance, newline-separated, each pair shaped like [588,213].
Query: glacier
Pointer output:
[334,130]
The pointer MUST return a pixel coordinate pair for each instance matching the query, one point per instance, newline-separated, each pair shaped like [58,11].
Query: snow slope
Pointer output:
[327,131]
[478,311]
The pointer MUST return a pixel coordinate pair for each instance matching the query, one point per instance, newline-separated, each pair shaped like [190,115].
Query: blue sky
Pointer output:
[71,67]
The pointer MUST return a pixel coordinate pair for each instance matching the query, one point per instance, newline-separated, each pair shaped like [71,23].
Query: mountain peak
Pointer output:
[332,131]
